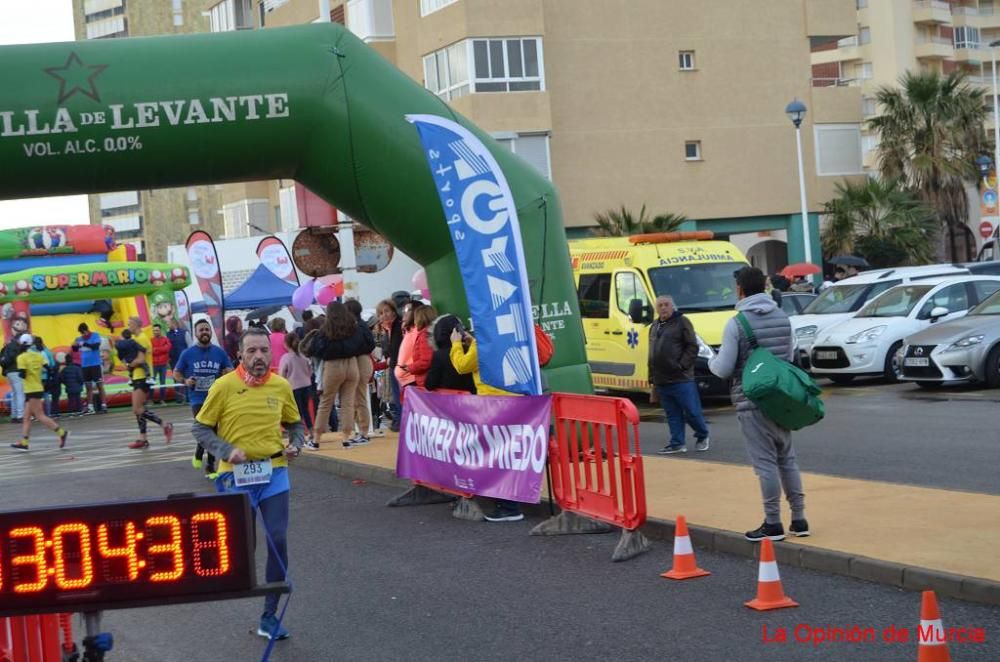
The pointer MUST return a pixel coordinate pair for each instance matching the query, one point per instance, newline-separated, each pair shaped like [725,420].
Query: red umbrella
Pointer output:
[800,269]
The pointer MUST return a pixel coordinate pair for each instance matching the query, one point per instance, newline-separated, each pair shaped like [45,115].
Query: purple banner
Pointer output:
[492,446]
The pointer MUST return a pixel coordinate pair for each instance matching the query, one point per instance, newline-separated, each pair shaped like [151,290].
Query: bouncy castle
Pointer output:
[54,277]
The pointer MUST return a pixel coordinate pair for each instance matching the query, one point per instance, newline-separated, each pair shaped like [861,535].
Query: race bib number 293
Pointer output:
[256,472]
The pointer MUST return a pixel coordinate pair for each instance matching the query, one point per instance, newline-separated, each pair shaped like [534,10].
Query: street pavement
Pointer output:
[377,583]
[948,438]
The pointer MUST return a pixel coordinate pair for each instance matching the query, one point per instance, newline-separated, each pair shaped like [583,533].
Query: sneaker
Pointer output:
[62,439]
[377,432]
[394,427]
[359,440]
[102,410]
[17,420]
[670,450]
[799,528]
[139,444]
[347,443]
[196,463]
[168,432]
[765,530]
[499,515]
[89,410]
[312,445]
[212,476]
[270,628]
[702,445]
[20,446]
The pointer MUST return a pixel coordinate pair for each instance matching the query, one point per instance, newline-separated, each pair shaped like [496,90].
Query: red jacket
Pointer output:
[161,350]
[423,353]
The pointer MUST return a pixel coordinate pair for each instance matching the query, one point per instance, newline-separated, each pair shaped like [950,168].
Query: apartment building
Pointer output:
[150,220]
[673,104]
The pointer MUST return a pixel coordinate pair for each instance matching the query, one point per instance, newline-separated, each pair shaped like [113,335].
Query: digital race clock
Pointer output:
[84,558]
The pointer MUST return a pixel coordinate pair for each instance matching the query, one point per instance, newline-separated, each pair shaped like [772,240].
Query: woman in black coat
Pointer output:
[442,374]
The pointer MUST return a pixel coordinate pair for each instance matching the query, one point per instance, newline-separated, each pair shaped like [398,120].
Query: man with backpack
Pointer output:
[8,363]
[760,323]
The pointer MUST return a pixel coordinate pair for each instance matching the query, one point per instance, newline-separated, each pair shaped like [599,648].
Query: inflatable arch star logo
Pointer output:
[75,76]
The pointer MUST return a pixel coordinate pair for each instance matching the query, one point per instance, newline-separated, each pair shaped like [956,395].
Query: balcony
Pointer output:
[934,48]
[931,11]
[966,17]
[846,51]
[836,82]
[970,53]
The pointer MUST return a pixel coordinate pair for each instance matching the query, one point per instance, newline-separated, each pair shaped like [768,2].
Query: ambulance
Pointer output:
[618,280]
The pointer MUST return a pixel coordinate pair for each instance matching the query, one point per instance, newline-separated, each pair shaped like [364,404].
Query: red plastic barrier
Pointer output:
[35,638]
[595,459]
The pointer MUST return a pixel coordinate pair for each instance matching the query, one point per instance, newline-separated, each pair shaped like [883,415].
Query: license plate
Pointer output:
[917,362]
[826,356]
[252,473]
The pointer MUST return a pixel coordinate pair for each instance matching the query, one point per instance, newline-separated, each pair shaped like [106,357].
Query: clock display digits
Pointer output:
[220,544]
[172,547]
[36,558]
[126,551]
[61,557]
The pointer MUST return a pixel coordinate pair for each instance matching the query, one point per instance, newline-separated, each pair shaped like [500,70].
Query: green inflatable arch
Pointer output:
[311,103]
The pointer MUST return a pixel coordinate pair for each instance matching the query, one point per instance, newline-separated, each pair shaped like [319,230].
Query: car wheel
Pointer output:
[930,386]
[893,369]
[841,379]
[993,368]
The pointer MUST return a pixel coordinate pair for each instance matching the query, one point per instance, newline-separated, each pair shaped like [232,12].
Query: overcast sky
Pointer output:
[32,22]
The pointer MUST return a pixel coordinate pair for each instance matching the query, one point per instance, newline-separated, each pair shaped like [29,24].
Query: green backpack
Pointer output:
[783,392]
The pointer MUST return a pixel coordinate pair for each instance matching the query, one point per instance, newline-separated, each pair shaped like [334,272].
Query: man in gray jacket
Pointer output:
[768,444]
[673,348]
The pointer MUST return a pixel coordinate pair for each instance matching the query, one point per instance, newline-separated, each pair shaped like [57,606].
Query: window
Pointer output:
[371,19]
[838,149]
[985,289]
[594,294]
[868,107]
[861,4]
[692,150]
[897,302]
[532,147]
[864,71]
[966,37]
[446,72]
[431,6]
[869,143]
[194,218]
[629,287]
[686,60]
[954,298]
[697,288]
[507,65]
[864,36]
[231,15]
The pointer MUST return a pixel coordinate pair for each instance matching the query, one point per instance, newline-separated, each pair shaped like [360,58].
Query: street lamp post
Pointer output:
[996,114]
[796,112]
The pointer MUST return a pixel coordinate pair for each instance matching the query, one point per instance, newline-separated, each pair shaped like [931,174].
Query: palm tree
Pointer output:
[930,132]
[622,223]
[879,218]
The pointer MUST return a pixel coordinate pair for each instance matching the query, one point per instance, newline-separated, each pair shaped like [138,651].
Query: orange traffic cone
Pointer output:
[931,646]
[770,595]
[685,567]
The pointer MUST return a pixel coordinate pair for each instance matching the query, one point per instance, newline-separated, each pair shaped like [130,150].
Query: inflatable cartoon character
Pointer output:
[164,307]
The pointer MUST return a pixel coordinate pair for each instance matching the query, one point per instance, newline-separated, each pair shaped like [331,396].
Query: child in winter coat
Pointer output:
[71,378]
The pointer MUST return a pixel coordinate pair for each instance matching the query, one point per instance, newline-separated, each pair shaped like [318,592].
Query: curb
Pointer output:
[899,575]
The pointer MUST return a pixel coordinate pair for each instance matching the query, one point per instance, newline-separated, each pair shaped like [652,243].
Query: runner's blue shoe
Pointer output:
[270,628]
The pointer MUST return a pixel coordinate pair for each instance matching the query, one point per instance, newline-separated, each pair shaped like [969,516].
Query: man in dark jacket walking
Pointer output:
[673,348]
[768,444]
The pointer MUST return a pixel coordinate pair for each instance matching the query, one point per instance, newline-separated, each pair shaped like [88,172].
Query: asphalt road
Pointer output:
[948,438]
[375,583]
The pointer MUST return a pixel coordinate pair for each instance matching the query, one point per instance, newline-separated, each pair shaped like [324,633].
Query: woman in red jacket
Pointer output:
[423,353]
[161,360]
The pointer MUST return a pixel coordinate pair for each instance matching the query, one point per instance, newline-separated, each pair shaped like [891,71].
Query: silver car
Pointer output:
[962,350]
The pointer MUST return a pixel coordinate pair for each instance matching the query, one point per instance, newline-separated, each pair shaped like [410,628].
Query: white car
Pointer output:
[841,300]
[870,342]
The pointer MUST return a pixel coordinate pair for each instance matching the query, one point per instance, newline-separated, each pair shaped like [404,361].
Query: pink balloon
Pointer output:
[302,297]
[419,282]
[325,296]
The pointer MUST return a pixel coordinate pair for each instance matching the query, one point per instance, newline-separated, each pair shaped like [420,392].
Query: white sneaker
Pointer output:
[377,432]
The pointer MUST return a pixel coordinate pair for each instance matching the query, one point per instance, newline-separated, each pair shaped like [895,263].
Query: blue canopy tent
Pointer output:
[262,288]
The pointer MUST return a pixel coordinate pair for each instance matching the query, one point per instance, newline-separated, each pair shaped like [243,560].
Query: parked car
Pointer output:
[963,350]
[870,342]
[793,303]
[842,299]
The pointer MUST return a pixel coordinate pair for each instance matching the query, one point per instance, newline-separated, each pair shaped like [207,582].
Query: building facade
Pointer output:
[673,104]
[150,220]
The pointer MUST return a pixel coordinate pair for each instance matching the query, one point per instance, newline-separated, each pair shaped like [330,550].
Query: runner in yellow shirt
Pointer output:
[140,387]
[240,423]
[29,364]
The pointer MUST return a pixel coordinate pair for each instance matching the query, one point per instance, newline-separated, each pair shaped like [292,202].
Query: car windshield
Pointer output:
[698,287]
[989,307]
[897,302]
[836,299]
